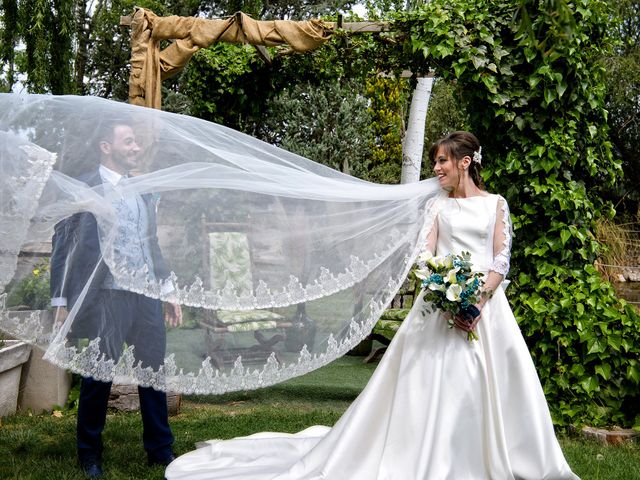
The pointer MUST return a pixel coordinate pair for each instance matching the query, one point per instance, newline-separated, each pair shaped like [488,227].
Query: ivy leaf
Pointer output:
[590,384]
[604,371]
[478,61]
[490,82]
[549,95]
[595,345]
[487,37]
[633,373]
[444,50]
[459,69]
[534,80]
[530,54]
[500,99]
[561,88]
[614,341]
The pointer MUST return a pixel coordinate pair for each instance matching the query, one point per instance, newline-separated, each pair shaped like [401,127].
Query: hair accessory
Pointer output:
[477,156]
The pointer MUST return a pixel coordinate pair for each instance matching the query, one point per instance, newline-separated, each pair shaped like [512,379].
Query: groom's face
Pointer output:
[122,150]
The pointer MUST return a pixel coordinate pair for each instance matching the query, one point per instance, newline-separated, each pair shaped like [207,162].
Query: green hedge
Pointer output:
[534,90]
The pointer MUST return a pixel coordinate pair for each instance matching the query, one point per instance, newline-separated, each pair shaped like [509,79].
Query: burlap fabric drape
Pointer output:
[149,65]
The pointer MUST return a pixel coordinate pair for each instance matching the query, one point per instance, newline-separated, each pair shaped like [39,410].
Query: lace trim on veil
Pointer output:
[89,361]
[227,298]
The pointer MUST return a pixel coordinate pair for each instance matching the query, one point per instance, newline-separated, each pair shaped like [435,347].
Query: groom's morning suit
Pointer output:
[113,314]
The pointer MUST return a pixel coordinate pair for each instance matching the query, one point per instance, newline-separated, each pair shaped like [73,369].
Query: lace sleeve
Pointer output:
[431,211]
[432,238]
[502,239]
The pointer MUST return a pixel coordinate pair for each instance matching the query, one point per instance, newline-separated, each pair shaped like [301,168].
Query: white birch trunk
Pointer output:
[413,143]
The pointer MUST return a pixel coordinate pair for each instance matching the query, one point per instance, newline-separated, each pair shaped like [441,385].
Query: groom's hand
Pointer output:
[172,314]
[59,317]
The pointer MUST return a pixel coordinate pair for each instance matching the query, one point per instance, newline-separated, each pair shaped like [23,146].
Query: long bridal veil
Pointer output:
[280,264]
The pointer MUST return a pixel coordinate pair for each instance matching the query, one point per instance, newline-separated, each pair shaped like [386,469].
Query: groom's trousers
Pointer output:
[126,317]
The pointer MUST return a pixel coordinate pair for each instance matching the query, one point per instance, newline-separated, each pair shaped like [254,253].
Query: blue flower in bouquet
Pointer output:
[451,285]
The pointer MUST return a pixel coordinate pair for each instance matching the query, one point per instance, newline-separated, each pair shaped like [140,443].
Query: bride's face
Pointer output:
[446,168]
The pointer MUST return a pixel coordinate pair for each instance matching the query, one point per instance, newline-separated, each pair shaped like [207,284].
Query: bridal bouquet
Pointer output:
[451,286]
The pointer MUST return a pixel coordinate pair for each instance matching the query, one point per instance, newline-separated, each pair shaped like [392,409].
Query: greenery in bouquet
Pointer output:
[451,285]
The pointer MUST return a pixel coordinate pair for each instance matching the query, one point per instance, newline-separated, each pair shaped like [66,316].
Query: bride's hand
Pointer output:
[464,325]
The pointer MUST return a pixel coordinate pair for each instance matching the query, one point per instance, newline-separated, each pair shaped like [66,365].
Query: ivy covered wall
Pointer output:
[534,91]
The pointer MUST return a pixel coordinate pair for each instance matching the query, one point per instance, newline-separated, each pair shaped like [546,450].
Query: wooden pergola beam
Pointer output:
[360,27]
[150,64]
[355,27]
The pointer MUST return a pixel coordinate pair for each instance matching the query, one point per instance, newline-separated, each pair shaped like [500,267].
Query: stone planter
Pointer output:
[43,386]
[13,355]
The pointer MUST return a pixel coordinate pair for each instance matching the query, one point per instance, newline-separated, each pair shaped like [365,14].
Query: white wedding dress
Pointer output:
[437,407]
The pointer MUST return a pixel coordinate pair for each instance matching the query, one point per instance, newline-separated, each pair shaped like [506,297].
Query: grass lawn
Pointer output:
[43,447]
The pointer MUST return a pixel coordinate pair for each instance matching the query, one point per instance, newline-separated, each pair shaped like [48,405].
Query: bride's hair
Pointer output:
[459,145]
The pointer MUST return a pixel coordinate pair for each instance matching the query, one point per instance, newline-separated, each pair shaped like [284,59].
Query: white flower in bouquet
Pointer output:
[453,292]
[452,276]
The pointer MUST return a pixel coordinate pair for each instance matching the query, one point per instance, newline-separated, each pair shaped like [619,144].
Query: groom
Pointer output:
[108,312]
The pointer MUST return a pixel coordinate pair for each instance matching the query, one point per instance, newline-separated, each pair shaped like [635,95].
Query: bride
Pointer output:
[438,406]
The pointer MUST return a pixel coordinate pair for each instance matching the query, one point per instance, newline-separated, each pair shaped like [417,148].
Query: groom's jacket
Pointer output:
[76,254]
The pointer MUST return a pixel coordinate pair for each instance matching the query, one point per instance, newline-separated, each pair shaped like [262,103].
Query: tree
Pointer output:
[72,46]
[44,44]
[45,27]
[328,123]
[388,101]
[623,100]
[413,142]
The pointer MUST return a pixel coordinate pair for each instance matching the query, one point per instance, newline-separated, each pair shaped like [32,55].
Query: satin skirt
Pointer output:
[438,407]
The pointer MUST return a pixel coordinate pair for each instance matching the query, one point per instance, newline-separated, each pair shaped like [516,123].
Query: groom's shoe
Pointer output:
[161,461]
[91,468]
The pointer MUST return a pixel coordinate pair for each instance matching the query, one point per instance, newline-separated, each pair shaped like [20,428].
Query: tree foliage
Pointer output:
[229,84]
[535,93]
[446,114]
[623,99]
[388,99]
[46,29]
[72,46]
[327,123]
[279,9]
